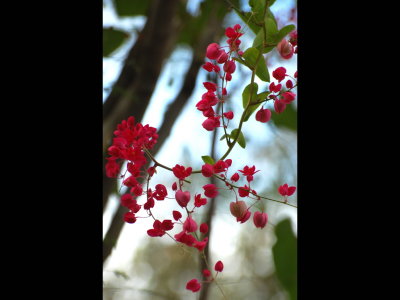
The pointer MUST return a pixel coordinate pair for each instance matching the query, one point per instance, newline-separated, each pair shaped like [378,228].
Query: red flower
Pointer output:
[244,191]
[230,66]
[211,123]
[293,38]
[198,201]
[249,172]
[129,217]
[193,285]
[207,170]
[229,115]
[190,225]
[211,86]
[200,245]
[210,190]
[127,200]
[279,73]
[289,84]
[174,186]
[177,215]
[260,219]
[285,190]
[208,66]
[157,229]
[204,228]
[275,88]
[112,168]
[161,192]
[220,166]
[182,198]
[235,177]
[180,172]
[206,273]
[219,266]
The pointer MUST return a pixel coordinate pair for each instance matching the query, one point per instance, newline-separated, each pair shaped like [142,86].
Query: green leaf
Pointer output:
[253,107]
[241,141]
[208,159]
[246,94]
[223,137]
[248,18]
[285,257]
[112,40]
[285,31]
[250,56]
[257,7]
[286,119]
[129,8]
[271,36]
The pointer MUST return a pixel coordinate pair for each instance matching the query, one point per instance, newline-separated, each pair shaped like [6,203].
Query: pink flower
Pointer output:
[182,198]
[285,49]
[238,208]
[263,115]
[213,51]
[279,106]
[260,219]
[211,123]
[288,97]
[245,217]
[219,266]
[190,225]
[210,190]
[223,57]
[193,285]
[230,66]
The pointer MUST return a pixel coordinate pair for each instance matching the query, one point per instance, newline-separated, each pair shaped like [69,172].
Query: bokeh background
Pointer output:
[152,57]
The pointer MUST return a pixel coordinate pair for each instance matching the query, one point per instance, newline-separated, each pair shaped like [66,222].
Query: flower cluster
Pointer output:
[220,56]
[133,141]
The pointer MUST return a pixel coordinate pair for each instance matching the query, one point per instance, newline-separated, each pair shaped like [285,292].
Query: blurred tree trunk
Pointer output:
[210,32]
[134,87]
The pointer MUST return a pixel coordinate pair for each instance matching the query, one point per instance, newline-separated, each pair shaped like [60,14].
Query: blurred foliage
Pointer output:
[113,39]
[287,119]
[285,257]
[131,8]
